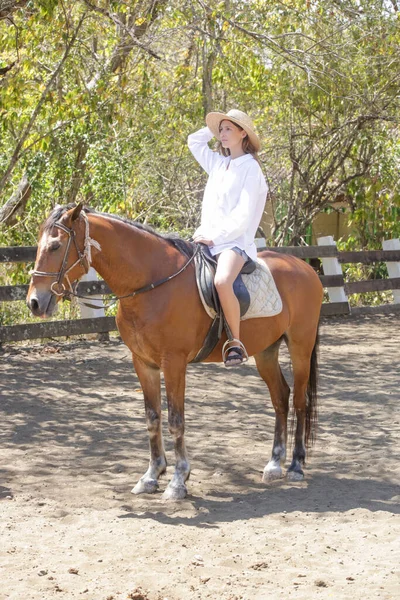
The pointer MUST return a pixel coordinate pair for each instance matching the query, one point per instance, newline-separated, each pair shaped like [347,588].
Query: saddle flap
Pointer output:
[205,272]
[205,266]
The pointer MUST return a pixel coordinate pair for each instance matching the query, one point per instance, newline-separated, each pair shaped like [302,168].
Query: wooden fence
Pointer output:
[332,279]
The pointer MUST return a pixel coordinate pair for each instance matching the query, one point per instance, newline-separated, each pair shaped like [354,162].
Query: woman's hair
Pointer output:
[247,146]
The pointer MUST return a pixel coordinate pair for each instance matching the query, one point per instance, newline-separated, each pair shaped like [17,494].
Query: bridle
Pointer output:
[63,272]
[86,256]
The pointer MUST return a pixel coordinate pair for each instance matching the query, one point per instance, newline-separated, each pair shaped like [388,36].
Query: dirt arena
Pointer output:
[73,443]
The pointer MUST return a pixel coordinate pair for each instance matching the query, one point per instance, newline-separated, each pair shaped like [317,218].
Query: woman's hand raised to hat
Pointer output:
[199,239]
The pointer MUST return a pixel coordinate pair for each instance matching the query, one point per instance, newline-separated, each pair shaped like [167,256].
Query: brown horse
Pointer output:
[165,327]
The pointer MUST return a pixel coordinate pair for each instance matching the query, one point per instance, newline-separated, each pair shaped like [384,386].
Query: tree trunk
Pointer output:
[130,37]
[9,6]
[208,64]
[79,171]
[16,204]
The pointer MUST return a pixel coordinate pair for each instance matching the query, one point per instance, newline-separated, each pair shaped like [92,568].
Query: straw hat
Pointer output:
[213,120]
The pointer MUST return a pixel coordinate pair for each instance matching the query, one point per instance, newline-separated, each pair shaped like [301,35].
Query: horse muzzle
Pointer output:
[41,303]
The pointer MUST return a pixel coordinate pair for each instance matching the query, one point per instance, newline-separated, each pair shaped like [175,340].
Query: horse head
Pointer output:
[61,259]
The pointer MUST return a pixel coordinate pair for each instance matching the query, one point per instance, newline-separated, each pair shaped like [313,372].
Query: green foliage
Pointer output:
[320,80]
[303,70]
[375,218]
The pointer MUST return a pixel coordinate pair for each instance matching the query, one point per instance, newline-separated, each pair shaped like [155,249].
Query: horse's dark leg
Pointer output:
[300,354]
[150,381]
[269,369]
[174,378]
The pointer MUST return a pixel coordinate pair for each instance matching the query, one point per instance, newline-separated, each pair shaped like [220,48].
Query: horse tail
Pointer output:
[311,396]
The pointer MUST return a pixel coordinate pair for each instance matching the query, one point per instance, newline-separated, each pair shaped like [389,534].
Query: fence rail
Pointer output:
[50,329]
[22,254]
[332,279]
[10,293]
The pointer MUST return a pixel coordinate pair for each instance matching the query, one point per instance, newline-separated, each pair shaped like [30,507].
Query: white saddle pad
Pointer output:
[265,300]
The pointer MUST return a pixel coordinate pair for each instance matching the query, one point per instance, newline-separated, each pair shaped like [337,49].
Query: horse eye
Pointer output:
[54,246]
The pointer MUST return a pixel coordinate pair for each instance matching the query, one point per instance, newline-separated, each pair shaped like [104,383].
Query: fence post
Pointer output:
[393,267]
[260,242]
[92,313]
[331,266]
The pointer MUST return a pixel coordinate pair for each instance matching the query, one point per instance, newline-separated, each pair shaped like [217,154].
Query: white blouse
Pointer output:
[234,197]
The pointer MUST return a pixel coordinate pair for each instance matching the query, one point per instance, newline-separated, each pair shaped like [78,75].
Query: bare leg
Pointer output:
[150,381]
[270,371]
[228,268]
[174,377]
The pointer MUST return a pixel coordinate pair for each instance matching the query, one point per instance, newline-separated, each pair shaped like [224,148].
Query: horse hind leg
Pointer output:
[270,371]
[304,363]
[150,381]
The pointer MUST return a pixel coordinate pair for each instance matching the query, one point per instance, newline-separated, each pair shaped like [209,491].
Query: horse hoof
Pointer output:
[145,486]
[295,475]
[178,492]
[272,473]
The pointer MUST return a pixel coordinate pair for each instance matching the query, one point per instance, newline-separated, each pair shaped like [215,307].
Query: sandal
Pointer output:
[234,355]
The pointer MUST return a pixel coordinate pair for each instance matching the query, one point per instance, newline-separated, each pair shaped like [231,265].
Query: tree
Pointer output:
[98,96]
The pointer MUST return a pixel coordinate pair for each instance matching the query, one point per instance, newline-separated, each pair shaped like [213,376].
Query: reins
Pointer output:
[63,272]
[146,288]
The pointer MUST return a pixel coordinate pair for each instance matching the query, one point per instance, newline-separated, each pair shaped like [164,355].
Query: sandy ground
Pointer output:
[73,443]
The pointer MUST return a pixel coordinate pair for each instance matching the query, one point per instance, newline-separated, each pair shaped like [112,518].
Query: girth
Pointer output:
[205,266]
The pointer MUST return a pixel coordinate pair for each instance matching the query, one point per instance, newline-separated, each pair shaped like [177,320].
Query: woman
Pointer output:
[232,208]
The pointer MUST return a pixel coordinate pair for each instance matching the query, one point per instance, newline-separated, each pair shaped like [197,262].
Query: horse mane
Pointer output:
[182,245]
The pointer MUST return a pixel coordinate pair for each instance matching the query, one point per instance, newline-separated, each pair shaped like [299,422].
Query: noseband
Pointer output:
[63,272]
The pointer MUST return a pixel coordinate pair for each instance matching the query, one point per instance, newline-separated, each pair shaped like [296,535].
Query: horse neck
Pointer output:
[130,257]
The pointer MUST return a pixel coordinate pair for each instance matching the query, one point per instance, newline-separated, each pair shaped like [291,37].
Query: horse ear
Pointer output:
[76,211]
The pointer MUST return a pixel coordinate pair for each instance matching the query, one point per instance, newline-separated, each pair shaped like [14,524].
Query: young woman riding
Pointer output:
[233,204]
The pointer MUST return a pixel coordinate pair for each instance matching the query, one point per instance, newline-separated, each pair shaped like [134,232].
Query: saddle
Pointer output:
[205,267]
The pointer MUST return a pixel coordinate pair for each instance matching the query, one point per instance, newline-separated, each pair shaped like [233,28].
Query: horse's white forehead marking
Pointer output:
[44,240]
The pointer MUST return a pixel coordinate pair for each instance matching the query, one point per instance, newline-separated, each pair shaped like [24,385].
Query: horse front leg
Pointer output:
[174,378]
[150,381]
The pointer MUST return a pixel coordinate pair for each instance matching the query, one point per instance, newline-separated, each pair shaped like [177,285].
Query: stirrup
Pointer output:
[239,348]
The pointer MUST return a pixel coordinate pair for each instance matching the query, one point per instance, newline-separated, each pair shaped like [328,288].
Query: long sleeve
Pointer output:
[198,146]
[243,214]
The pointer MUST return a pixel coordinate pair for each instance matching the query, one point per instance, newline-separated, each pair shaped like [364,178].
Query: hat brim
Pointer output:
[213,120]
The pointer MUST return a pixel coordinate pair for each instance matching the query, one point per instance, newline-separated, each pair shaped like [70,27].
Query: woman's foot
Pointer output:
[235,354]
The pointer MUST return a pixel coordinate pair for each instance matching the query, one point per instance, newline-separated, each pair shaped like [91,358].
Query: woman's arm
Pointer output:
[198,146]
